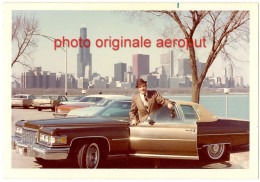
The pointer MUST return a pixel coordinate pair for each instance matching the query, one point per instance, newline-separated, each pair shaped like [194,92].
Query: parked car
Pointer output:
[48,102]
[77,98]
[93,109]
[22,100]
[63,109]
[188,131]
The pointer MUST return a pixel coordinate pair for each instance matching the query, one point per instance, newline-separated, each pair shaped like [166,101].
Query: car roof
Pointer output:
[22,94]
[184,102]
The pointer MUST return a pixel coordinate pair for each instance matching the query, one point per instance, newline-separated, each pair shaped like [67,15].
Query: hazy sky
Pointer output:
[101,25]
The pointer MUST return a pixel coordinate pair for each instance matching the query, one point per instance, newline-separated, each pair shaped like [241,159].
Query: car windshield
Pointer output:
[116,110]
[90,99]
[79,97]
[50,97]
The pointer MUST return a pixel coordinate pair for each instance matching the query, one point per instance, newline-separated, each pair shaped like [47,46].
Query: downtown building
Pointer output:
[167,62]
[119,71]
[37,78]
[84,58]
[141,64]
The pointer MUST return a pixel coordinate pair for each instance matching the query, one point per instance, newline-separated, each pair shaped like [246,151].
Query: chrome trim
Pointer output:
[51,153]
[59,115]
[39,150]
[215,144]
[179,111]
[138,138]
[165,156]
[223,134]
[121,139]
[117,156]
[92,137]
[30,129]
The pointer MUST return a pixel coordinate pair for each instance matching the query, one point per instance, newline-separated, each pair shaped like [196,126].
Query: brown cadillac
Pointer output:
[188,131]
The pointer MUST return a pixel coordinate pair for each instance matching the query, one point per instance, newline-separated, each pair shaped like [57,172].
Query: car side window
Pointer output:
[189,112]
[165,115]
[98,99]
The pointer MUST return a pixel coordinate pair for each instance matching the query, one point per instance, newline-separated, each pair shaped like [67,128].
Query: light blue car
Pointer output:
[91,110]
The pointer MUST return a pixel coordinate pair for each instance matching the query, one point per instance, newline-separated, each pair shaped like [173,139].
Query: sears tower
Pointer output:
[84,62]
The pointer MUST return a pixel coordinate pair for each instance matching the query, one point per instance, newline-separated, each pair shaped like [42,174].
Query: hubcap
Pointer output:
[92,157]
[216,151]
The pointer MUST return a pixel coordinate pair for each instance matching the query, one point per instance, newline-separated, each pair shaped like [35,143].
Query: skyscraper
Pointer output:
[119,70]
[167,62]
[84,59]
[230,71]
[184,67]
[140,65]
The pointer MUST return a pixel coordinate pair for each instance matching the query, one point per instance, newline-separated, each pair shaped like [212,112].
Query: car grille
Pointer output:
[29,137]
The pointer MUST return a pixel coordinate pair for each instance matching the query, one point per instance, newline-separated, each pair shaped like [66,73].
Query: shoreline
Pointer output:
[128,92]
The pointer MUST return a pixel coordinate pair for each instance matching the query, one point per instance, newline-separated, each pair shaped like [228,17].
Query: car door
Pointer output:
[166,134]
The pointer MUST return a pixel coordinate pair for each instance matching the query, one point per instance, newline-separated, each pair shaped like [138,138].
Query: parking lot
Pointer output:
[239,158]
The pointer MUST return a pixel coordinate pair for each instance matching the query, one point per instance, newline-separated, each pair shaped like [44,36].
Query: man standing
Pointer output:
[145,103]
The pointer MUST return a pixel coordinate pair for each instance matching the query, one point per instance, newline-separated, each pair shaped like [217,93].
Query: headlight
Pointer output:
[19,130]
[44,138]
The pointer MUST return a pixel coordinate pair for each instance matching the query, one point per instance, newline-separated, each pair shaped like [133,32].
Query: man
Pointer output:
[146,103]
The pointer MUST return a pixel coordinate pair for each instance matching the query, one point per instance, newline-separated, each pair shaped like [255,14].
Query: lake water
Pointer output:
[238,104]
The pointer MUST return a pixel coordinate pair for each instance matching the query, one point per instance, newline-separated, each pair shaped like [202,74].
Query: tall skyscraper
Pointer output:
[140,65]
[167,62]
[84,59]
[119,70]
[184,67]
[230,71]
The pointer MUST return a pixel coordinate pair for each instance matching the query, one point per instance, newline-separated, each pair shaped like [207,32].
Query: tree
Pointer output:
[24,29]
[223,28]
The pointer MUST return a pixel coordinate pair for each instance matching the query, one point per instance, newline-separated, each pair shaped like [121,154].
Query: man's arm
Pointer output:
[133,113]
[163,101]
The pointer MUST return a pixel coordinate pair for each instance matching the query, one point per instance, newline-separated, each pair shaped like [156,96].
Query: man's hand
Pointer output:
[134,122]
[170,106]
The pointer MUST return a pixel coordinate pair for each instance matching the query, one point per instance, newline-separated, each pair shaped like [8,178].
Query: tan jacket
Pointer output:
[155,101]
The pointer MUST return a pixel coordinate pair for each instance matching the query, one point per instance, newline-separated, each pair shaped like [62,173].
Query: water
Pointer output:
[238,104]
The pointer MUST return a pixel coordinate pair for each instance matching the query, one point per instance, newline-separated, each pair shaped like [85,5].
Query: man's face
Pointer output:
[142,88]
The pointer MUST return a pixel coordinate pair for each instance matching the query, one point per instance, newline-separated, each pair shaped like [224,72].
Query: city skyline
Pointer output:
[109,25]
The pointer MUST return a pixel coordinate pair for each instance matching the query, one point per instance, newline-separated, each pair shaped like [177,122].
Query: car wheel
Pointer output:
[215,151]
[39,109]
[53,109]
[89,156]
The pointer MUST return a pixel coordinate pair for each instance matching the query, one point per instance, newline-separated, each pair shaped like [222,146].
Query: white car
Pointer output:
[22,100]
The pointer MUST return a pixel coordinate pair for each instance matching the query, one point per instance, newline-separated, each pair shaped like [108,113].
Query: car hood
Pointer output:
[71,122]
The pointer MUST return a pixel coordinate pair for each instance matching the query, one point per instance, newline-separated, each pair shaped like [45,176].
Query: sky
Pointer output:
[103,25]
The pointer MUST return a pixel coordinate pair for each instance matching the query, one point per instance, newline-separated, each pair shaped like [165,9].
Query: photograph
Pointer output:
[131,87]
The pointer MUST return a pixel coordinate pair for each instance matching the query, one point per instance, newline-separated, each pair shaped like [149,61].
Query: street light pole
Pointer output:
[66,80]
[226,91]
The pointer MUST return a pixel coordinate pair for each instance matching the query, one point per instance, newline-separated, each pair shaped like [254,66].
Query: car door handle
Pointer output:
[192,130]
